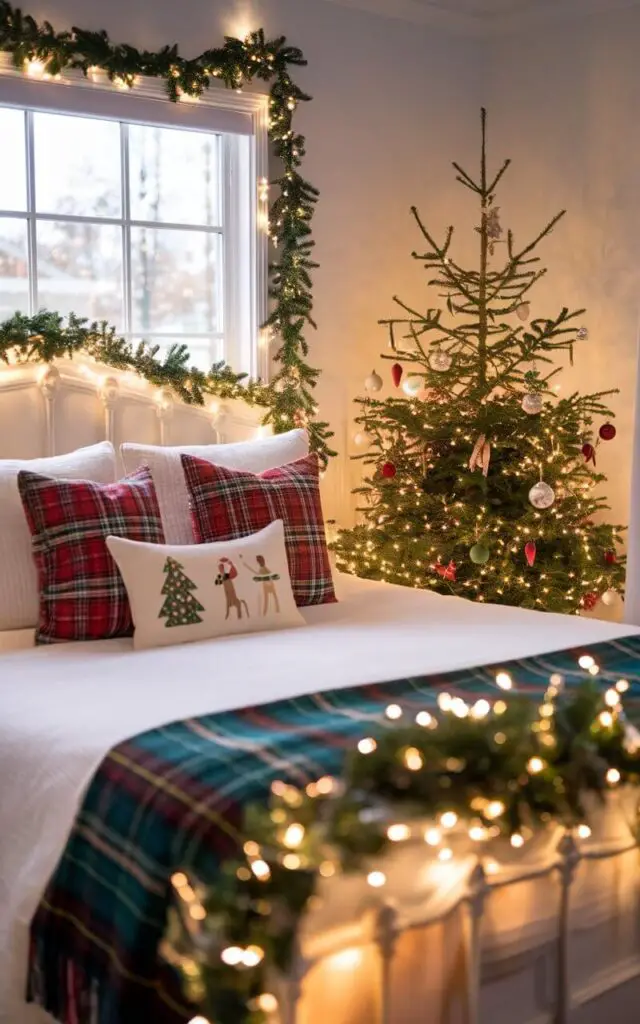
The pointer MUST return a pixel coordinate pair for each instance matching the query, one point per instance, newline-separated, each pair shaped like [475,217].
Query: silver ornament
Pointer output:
[412,385]
[440,361]
[522,310]
[583,334]
[373,382]
[609,597]
[532,404]
[541,495]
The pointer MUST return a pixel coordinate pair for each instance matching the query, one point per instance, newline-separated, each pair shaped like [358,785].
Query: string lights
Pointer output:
[411,781]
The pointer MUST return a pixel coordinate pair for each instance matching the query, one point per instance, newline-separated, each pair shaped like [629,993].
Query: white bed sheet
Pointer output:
[62,708]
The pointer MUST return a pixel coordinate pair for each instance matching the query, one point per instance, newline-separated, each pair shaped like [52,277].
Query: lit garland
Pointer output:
[472,368]
[481,771]
[288,400]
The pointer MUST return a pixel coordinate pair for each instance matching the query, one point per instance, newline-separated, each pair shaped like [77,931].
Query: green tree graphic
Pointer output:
[180,607]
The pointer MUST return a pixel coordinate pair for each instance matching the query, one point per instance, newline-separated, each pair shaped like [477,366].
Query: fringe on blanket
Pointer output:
[66,991]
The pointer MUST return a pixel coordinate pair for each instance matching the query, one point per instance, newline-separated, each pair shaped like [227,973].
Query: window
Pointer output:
[148,226]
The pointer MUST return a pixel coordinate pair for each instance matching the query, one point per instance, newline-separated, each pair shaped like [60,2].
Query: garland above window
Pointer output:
[288,399]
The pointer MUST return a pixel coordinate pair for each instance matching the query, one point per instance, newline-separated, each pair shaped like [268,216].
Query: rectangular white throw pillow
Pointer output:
[184,592]
[18,579]
[166,469]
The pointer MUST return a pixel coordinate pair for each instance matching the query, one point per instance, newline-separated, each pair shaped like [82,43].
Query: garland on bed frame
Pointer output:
[288,399]
[495,770]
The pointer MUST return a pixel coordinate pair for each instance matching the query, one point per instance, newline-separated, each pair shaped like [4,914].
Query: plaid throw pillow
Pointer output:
[82,595]
[227,504]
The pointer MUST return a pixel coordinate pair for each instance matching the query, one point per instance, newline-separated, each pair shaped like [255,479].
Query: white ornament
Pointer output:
[373,382]
[541,495]
[532,404]
[522,310]
[412,385]
[440,361]
[361,438]
[609,597]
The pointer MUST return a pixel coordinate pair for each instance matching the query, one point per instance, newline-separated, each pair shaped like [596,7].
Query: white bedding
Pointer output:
[62,708]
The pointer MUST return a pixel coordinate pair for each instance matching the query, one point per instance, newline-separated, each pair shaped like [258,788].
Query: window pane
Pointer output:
[176,278]
[14,268]
[80,269]
[77,162]
[13,191]
[174,176]
[203,352]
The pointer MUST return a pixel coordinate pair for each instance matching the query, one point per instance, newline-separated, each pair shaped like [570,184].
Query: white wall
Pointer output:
[391,104]
[564,99]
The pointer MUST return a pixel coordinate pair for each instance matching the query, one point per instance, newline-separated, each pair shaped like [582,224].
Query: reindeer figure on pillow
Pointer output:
[227,573]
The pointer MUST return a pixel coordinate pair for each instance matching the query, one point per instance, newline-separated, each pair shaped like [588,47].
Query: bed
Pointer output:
[503,948]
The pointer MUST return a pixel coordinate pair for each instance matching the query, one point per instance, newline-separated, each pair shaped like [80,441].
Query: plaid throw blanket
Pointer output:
[173,798]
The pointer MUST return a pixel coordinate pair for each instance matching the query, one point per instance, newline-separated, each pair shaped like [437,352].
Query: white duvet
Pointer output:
[62,708]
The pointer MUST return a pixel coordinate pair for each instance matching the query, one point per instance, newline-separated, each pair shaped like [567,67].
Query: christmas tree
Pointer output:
[481,479]
[180,607]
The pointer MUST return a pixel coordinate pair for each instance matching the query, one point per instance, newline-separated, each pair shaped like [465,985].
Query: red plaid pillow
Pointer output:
[82,595]
[228,504]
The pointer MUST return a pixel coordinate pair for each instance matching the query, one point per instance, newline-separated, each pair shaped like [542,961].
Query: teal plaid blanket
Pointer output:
[173,798]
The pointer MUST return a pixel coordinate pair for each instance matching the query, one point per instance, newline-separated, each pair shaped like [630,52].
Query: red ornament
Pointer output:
[607,431]
[589,601]
[610,557]
[530,552]
[388,470]
[589,453]
[396,374]
[448,572]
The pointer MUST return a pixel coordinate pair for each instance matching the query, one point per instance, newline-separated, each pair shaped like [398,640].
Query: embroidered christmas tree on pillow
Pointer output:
[180,607]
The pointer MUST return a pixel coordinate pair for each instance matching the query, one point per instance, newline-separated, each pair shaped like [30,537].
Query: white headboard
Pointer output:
[48,410]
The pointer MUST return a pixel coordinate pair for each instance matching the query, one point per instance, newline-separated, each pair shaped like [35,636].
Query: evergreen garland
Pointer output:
[506,769]
[288,399]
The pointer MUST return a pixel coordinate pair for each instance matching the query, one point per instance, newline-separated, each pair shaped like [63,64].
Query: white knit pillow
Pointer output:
[166,469]
[18,579]
[184,592]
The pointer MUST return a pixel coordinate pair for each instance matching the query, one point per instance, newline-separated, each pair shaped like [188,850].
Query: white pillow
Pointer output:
[166,469]
[18,579]
[184,592]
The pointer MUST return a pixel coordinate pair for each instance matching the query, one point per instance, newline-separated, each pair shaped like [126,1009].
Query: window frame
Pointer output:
[245,245]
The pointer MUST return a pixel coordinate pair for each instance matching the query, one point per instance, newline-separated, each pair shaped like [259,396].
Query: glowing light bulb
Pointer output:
[413,759]
[261,870]
[586,661]
[517,840]
[444,701]
[449,819]
[622,685]
[367,745]
[294,836]
[232,955]
[504,680]
[535,765]
[613,776]
[252,956]
[480,709]
[584,831]
[424,718]
[606,719]
[433,836]
[291,861]
[393,711]
[494,809]
[445,854]
[499,707]
[477,833]
[376,879]
[398,833]
[611,698]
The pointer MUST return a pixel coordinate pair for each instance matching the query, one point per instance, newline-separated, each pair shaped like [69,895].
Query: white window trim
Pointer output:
[219,110]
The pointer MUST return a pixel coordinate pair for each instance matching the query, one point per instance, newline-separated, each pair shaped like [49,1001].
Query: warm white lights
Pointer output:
[367,745]
[294,836]
[445,854]
[449,819]
[398,833]
[613,776]
[586,661]
[393,711]
[504,680]
[376,879]
[433,836]
[494,809]
[413,759]
[261,870]
[606,719]
[517,840]
[611,698]
[424,719]
[584,831]
[622,685]
[535,765]
[480,709]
